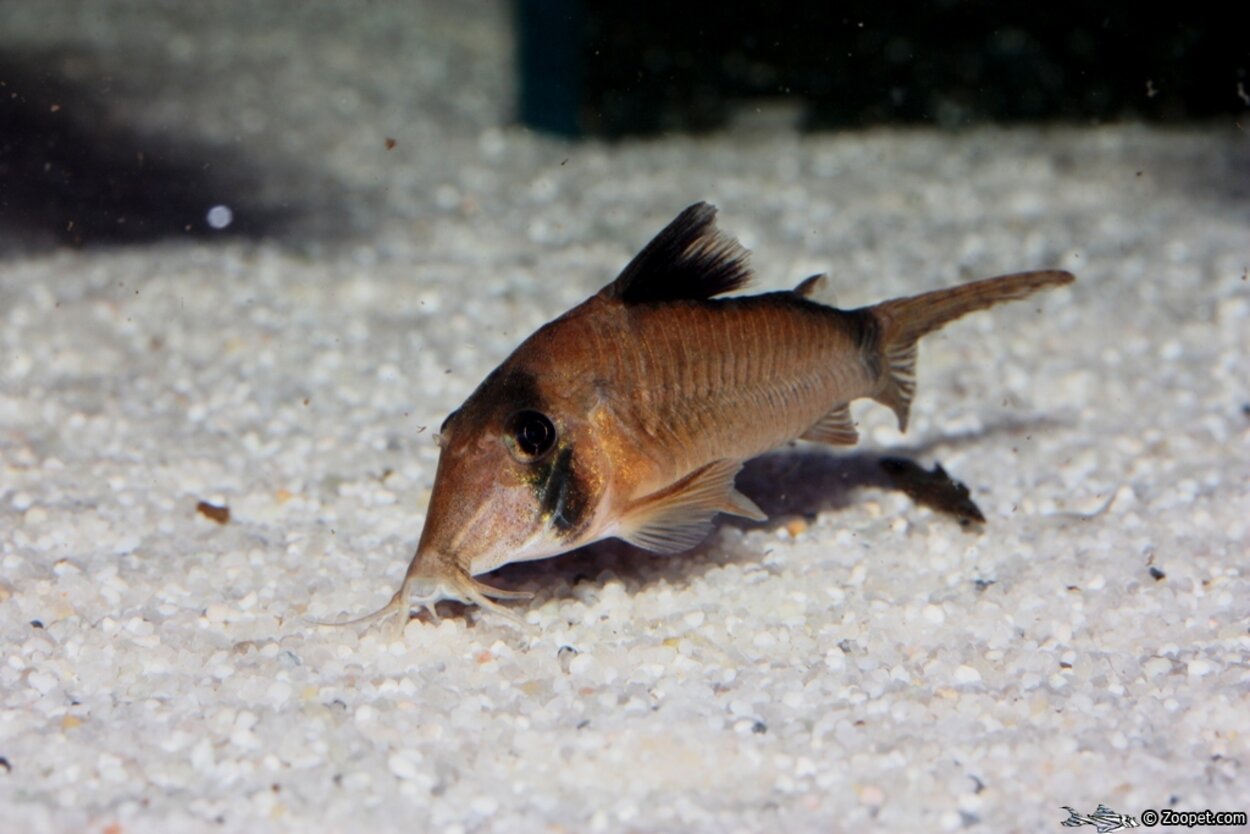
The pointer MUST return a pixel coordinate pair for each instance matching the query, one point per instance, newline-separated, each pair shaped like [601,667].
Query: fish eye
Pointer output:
[533,434]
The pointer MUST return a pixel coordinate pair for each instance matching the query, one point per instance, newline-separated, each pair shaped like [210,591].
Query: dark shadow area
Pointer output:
[617,69]
[808,480]
[73,173]
[801,481]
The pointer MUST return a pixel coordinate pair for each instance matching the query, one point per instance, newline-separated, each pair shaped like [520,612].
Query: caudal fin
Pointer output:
[902,321]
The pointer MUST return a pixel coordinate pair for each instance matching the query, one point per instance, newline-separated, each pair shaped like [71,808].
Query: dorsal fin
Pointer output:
[690,259]
[817,288]
[812,285]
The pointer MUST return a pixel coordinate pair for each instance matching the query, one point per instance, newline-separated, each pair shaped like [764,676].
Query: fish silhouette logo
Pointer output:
[1103,819]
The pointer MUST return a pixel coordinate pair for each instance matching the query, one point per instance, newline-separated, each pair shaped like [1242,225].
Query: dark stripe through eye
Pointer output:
[563,495]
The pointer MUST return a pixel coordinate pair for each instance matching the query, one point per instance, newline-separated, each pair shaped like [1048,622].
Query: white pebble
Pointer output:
[582,664]
[1198,668]
[41,682]
[966,674]
[484,806]
[406,764]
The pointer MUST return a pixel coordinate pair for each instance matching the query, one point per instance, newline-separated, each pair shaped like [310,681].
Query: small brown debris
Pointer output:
[390,144]
[221,515]
[795,527]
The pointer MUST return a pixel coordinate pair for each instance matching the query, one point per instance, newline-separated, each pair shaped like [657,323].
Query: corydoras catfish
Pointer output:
[630,415]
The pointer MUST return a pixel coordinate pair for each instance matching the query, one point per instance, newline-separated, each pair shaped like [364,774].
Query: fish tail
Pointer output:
[901,322]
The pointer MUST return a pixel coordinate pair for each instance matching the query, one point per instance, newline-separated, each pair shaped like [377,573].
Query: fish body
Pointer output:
[630,415]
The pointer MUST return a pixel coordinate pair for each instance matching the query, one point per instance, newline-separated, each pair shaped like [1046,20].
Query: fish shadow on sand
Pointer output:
[800,480]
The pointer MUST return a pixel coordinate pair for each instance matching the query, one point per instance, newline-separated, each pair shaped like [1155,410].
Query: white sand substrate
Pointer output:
[860,664]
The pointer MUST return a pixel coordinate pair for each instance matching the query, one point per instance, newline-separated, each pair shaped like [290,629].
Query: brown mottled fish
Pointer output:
[630,415]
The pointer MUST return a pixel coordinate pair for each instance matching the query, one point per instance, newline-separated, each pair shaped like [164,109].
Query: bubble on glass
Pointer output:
[219,217]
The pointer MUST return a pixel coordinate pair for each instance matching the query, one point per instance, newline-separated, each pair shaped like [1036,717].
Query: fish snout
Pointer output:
[433,577]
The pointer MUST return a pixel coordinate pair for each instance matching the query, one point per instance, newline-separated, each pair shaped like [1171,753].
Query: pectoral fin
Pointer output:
[679,516]
[835,428]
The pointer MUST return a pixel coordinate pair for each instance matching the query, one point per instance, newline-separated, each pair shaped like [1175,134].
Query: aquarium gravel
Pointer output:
[208,446]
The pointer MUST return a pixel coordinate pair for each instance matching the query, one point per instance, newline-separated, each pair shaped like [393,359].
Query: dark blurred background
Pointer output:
[74,171]
[614,69]
[127,124]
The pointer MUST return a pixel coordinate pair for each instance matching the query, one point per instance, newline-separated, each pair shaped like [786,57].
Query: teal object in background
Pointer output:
[549,56]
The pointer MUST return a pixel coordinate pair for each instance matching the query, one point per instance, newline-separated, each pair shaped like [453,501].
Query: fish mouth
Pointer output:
[427,590]
[431,580]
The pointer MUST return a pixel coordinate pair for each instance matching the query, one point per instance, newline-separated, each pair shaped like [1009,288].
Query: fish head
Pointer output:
[519,477]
